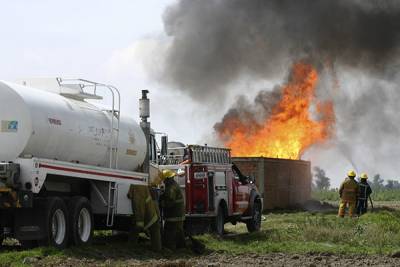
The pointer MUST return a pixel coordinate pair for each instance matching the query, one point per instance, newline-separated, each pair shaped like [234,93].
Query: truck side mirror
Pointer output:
[164,145]
[251,179]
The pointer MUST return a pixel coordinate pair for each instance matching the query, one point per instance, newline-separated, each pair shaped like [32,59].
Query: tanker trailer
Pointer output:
[65,164]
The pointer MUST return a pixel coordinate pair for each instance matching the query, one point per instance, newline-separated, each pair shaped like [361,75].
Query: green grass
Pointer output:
[373,233]
[302,232]
[377,195]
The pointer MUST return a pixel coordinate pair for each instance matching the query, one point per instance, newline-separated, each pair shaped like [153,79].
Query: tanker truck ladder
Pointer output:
[81,85]
[114,139]
[115,121]
[112,203]
[113,150]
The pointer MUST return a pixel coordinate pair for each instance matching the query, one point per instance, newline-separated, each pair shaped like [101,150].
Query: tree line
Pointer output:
[323,182]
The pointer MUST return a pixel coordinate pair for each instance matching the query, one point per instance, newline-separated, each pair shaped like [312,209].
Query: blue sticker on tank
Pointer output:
[9,126]
[13,125]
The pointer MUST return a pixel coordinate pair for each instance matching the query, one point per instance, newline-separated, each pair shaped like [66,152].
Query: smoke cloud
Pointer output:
[217,41]
[354,44]
[250,115]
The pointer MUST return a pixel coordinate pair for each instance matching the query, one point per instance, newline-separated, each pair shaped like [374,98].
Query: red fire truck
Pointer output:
[216,191]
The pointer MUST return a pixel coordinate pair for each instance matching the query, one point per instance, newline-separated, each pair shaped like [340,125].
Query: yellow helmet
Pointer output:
[351,173]
[167,174]
[364,176]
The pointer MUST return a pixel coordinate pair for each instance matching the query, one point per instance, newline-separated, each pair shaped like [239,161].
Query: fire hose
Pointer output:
[372,204]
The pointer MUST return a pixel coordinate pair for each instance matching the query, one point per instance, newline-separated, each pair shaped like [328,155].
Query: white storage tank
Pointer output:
[46,124]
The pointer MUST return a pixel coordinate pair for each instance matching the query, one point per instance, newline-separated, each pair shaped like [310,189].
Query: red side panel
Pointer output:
[198,193]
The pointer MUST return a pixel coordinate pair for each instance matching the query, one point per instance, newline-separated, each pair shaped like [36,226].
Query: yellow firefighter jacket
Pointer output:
[348,190]
[145,210]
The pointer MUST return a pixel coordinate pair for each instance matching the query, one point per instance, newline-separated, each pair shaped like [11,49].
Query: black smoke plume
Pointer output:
[214,42]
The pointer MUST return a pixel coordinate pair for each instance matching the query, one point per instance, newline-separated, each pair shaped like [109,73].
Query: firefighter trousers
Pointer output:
[362,206]
[342,208]
[174,236]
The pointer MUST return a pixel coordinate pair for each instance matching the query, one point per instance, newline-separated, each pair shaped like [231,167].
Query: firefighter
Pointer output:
[348,192]
[364,191]
[172,204]
[146,215]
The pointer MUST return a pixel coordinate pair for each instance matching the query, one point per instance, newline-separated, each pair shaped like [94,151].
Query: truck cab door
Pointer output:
[241,194]
[231,191]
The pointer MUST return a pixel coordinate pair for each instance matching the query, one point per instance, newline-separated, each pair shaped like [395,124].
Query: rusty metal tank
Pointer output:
[283,183]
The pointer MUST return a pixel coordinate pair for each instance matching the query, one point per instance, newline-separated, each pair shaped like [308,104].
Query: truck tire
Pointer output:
[56,223]
[220,221]
[81,221]
[254,224]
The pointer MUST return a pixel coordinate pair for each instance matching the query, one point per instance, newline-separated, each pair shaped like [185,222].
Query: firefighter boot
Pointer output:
[155,236]
[180,235]
[169,238]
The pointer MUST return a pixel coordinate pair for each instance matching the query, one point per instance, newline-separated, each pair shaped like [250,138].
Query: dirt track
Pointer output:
[276,259]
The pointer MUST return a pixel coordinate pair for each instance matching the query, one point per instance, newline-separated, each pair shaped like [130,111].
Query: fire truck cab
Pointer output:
[215,190]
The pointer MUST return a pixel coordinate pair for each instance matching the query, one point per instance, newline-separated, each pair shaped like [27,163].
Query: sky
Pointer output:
[103,41]
[114,42]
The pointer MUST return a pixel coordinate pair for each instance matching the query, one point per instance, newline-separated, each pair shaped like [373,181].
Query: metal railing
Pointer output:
[114,111]
[196,154]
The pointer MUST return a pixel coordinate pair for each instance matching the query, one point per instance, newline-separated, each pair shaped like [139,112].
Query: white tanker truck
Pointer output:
[66,164]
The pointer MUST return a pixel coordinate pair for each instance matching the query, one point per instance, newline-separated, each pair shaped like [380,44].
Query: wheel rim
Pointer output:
[58,227]
[84,225]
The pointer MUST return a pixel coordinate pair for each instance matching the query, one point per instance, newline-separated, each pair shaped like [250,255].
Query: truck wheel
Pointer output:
[56,223]
[81,221]
[220,221]
[254,224]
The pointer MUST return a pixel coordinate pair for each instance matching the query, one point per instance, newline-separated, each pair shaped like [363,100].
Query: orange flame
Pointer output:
[291,128]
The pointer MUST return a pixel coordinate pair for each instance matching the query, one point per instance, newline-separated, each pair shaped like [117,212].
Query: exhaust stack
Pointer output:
[144,113]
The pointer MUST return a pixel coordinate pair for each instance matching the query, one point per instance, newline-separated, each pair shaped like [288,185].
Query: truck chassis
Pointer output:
[54,202]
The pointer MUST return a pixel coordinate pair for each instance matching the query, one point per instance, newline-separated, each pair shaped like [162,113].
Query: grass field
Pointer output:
[301,232]
[373,233]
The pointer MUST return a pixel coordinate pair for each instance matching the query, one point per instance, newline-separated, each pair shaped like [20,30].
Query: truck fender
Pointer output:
[253,196]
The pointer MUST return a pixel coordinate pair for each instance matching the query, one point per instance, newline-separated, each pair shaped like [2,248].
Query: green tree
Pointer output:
[392,184]
[377,182]
[321,181]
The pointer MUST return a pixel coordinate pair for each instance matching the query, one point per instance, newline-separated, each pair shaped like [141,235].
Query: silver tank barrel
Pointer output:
[45,124]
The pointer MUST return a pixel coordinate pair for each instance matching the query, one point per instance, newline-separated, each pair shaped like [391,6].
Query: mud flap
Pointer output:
[30,223]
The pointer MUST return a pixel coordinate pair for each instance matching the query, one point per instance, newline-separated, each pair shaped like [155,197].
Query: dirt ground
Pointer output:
[216,259]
